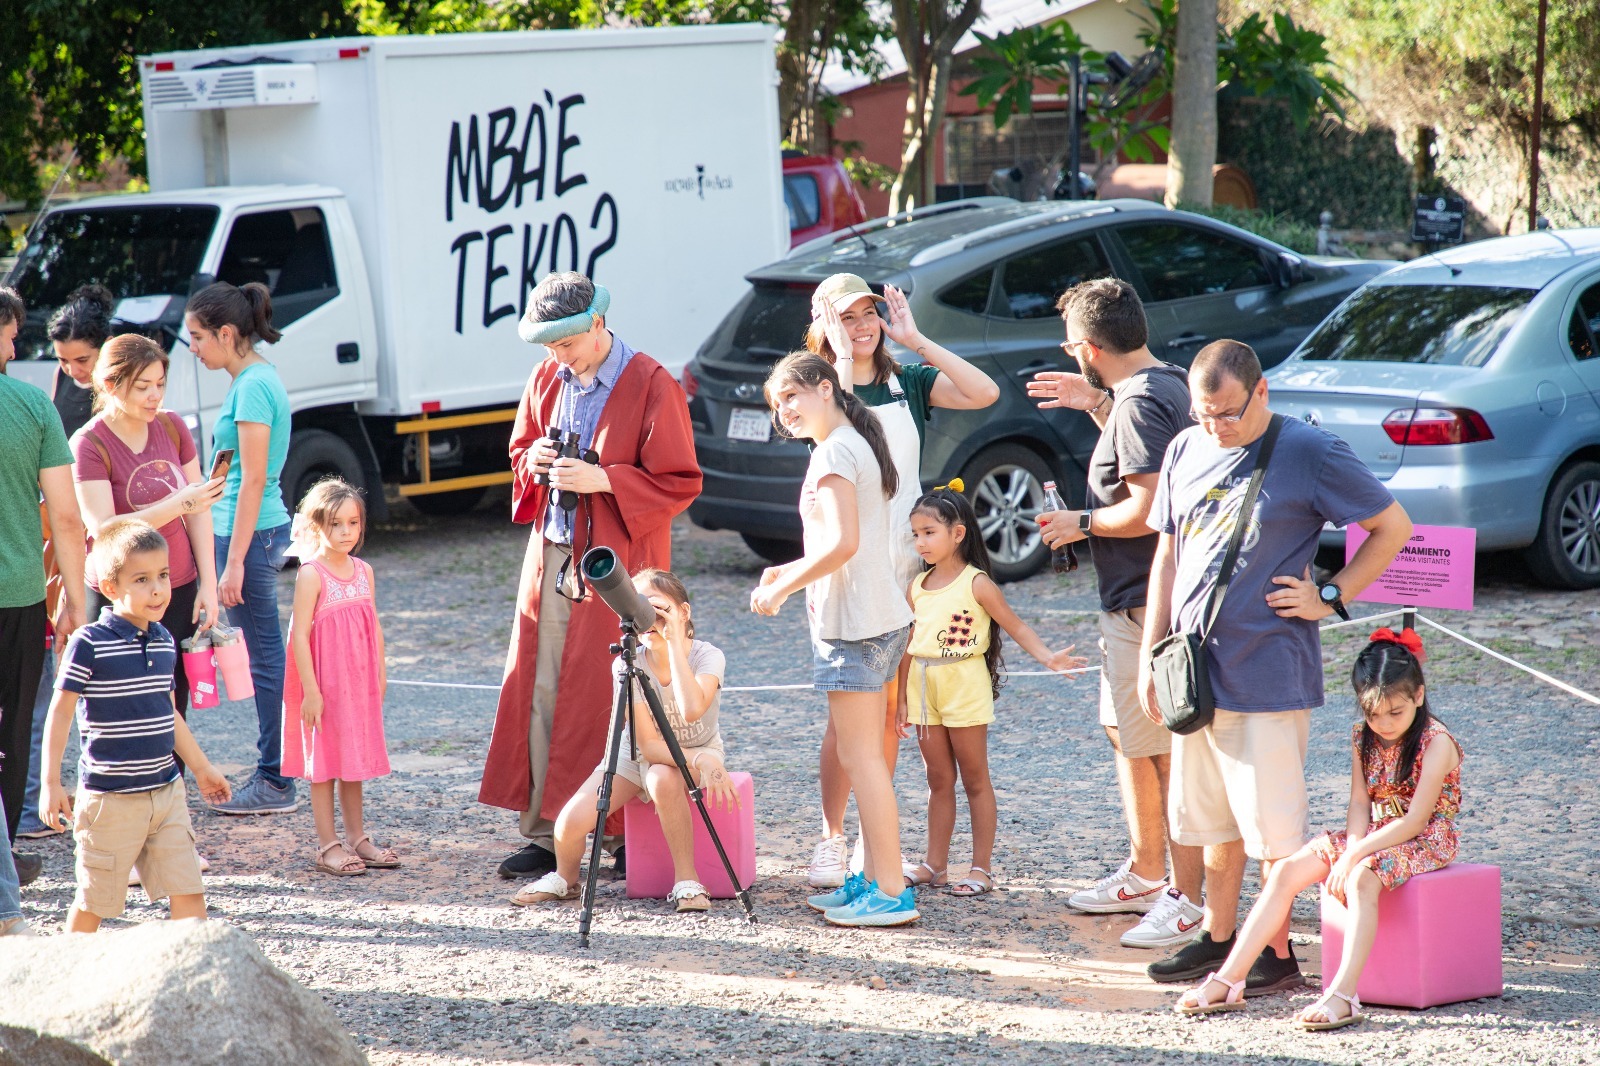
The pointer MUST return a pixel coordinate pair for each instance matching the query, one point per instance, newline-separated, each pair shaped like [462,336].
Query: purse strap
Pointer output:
[1231,556]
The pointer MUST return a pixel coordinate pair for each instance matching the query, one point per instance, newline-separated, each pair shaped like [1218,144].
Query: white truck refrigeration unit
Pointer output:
[401,195]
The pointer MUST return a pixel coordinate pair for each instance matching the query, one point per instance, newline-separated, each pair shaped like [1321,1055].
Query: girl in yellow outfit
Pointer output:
[950,676]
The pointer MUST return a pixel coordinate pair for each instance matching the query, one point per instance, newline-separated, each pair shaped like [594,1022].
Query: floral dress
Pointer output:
[1432,849]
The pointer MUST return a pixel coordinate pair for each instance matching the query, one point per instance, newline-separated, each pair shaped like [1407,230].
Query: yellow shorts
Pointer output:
[115,830]
[955,695]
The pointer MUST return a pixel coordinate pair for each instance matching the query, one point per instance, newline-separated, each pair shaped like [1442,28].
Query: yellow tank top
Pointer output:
[950,623]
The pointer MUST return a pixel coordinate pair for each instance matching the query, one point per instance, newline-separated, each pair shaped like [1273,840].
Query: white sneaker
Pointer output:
[1170,922]
[858,855]
[1120,892]
[827,864]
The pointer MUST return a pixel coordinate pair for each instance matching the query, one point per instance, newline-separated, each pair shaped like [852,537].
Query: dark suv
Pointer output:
[982,277]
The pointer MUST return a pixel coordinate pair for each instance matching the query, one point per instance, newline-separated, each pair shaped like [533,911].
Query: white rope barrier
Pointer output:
[1546,678]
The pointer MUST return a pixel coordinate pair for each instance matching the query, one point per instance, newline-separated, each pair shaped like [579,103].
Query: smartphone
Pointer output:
[221,462]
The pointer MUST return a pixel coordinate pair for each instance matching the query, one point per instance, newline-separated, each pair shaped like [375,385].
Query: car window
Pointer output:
[771,320]
[1032,282]
[287,251]
[971,293]
[1181,261]
[1585,324]
[1457,325]
[805,203]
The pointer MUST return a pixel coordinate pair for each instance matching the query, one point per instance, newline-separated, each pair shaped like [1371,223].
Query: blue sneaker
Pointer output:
[854,886]
[259,796]
[875,907]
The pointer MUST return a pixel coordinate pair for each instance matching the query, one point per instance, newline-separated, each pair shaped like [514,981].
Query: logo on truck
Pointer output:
[699,182]
[500,162]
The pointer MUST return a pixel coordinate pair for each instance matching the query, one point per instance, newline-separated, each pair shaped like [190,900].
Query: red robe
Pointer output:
[646,446]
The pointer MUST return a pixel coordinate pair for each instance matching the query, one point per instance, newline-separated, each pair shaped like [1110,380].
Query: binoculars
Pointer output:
[567,447]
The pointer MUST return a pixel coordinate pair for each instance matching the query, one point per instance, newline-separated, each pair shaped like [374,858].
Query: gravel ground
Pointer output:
[429,964]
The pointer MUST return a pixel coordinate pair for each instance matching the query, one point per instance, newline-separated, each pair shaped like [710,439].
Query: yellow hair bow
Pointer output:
[956,485]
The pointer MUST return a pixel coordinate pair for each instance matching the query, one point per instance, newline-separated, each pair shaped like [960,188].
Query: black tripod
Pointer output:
[633,675]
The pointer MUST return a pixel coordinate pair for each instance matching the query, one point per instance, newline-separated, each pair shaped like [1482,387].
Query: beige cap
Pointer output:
[842,290]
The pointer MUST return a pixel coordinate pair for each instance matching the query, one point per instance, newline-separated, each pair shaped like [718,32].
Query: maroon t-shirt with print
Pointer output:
[139,480]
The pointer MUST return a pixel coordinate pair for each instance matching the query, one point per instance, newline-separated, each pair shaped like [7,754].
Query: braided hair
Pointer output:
[947,506]
[1386,668]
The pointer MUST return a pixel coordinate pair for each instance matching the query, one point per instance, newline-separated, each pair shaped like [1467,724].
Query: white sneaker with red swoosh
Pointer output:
[1121,892]
[1173,920]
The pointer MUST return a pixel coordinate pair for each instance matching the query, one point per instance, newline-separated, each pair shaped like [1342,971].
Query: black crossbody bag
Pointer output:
[1183,687]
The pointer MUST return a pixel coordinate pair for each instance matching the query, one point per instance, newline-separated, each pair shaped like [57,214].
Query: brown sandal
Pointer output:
[350,866]
[382,859]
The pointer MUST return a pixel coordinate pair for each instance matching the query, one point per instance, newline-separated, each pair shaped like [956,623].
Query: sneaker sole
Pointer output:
[40,834]
[1131,907]
[1282,984]
[1185,976]
[825,880]
[258,810]
[877,921]
[1165,942]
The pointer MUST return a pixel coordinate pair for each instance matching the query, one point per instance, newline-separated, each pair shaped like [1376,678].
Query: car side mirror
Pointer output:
[200,281]
[1291,270]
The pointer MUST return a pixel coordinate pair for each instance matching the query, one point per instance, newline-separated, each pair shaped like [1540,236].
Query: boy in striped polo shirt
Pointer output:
[130,806]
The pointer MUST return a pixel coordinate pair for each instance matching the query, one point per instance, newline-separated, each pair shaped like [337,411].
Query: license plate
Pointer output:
[748,423]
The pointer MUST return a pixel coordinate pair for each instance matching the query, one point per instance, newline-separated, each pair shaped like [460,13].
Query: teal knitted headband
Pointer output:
[534,331]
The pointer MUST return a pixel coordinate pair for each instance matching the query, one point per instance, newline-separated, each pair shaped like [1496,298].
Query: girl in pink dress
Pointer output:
[1405,793]
[334,687]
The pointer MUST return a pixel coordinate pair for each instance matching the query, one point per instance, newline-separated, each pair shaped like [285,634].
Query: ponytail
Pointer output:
[247,309]
[866,423]
[811,372]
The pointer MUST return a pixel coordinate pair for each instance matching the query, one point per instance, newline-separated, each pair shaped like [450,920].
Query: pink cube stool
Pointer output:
[650,865]
[1438,939]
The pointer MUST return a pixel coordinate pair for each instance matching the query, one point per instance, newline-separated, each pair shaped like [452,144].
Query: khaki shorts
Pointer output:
[633,770]
[116,830]
[1242,777]
[1120,639]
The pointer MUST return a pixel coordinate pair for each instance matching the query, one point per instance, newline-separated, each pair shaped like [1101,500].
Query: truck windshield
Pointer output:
[1458,325]
[133,251]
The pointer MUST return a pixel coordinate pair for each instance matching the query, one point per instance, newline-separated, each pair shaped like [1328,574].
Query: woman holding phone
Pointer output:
[252,524]
[134,459]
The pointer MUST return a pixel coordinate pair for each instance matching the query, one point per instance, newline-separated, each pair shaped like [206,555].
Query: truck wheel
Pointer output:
[1006,486]
[315,454]
[445,504]
[1566,553]
[773,549]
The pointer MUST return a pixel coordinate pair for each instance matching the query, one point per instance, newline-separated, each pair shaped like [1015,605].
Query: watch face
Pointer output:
[1329,593]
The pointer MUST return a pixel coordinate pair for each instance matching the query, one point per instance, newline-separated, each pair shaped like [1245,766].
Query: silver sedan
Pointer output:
[1469,381]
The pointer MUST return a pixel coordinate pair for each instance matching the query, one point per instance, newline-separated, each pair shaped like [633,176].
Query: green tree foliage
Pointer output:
[1282,61]
[69,74]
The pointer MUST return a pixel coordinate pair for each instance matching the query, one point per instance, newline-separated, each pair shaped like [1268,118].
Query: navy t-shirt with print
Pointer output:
[1258,661]
[125,717]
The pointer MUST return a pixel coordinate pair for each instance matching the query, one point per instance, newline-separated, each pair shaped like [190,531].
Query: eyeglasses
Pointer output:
[1227,420]
[1071,347]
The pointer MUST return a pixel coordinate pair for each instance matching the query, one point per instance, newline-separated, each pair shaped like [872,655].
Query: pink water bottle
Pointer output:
[233,662]
[201,668]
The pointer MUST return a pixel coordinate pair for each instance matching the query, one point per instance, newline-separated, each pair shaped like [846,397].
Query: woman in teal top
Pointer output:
[251,523]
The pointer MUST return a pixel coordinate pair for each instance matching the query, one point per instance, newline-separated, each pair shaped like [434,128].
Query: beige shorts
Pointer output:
[633,770]
[1243,777]
[1120,639]
[116,830]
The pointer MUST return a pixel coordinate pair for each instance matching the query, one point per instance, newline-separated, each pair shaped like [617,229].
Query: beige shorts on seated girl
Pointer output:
[633,770]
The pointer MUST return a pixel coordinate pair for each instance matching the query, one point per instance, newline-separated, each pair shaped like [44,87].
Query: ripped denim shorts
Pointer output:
[857,665]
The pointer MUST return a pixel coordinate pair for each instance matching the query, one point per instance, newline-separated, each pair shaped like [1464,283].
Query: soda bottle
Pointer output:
[1063,559]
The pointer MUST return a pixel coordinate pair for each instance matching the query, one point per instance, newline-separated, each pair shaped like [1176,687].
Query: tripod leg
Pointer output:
[695,793]
[620,717]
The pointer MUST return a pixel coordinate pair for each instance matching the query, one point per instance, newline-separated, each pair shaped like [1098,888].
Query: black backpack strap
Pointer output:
[1231,556]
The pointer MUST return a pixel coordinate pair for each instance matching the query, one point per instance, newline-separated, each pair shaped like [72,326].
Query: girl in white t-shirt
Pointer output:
[859,618]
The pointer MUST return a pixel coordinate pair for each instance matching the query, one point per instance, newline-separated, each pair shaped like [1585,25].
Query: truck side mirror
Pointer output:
[200,281]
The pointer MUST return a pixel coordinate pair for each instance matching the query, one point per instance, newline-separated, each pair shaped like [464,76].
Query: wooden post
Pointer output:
[1538,116]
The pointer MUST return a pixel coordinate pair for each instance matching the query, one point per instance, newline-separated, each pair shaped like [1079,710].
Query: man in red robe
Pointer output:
[629,412]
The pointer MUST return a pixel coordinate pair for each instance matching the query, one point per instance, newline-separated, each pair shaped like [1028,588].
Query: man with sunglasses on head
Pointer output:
[633,471]
[1139,404]
[1238,783]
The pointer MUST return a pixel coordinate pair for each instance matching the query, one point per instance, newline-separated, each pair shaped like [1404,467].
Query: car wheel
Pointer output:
[773,549]
[444,504]
[1006,486]
[315,454]
[1566,553]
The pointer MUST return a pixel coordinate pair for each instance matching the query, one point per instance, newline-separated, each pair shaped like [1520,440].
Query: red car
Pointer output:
[820,195]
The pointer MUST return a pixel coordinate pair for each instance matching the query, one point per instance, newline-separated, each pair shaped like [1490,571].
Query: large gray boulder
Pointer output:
[167,992]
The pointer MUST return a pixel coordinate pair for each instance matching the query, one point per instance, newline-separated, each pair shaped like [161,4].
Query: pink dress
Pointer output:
[348,745]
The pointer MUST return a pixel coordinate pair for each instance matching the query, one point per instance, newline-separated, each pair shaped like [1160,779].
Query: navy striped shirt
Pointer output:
[123,677]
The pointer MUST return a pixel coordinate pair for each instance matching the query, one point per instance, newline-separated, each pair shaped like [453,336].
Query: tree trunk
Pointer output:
[927,32]
[807,38]
[1193,152]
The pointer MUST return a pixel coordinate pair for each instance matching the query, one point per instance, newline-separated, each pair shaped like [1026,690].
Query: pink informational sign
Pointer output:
[1434,569]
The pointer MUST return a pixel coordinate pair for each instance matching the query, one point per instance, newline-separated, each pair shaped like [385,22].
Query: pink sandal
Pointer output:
[349,866]
[380,859]
[1233,1000]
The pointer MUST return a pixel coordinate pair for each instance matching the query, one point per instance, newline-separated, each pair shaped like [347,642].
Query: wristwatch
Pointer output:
[1083,521]
[1332,596]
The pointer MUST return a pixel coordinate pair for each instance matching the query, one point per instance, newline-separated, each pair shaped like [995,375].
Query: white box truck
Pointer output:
[401,195]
